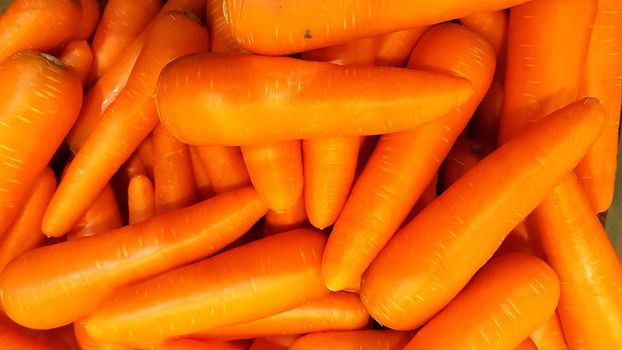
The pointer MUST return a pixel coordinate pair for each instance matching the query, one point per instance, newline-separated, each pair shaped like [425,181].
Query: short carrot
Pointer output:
[550,336]
[126,122]
[506,301]
[353,340]
[40,100]
[251,274]
[141,199]
[399,170]
[78,57]
[201,177]
[221,39]
[426,271]
[225,167]
[292,218]
[277,88]
[395,48]
[463,156]
[91,12]
[103,216]
[65,281]
[527,344]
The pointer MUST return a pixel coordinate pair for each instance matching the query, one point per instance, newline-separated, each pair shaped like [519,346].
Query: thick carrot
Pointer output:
[40,99]
[140,199]
[395,48]
[470,218]
[302,26]
[174,182]
[126,122]
[205,109]
[527,344]
[25,231]
[404,163]
[91,11]
[602,78]
[292,218]
[353,340]
[225,167]
[77,55]
[201,177]
[336,311]
[221,289]
[37,25]
[506,301]
[463,156]
[360,52]
[103,216]
[550,336]
[221,39]
[66,281]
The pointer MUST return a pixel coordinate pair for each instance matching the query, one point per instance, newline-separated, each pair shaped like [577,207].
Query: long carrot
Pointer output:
[201,177]
[126,122]
[38,25]
[353,340]
[506,301]
[102,216]
[426,272]
[221,289]
[464,154]
[292,218]
[550,336]
[65,281]
[404,163]
[336,311]
[40,99]
[395,48]
[141,199]
[77,55]
[221,39]
[527,344]
[225,167]
[91,11]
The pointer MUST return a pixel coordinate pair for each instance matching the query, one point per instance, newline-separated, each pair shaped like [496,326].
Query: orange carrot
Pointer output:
[87,343]
[429,194]
[527,344]
[268,344]
[141,199]
[469,218]
[174,182]
[251,274]
[66,281]
[278,88]
[395,48]
[220,34]
[506,301]
[336,311]
[463,156]
[91,12]
[201,178]
[103,215]
[11,337]
[353,340]
[40,100]
[37,25]
[193,344]
[360,52]
[492,26]
[77,55]
[225,167]
[126,122]
[399,170]
[292,218]
[147,155]
[485,122]
[550,336]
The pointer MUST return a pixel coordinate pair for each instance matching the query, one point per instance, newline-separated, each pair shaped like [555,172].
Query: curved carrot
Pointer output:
[25,231]
[221,39]
[40,100]
[225,167]
[292,218]
[278,88]
[302,26]
[336,311]
[126,122]
[395,48]
[360,52]
[103,216]
[66,281]
[527,344]
[353,340]
[21,25]
[174,182]
[550,336]
[141,199]
[463,156]
[470,218]
[201,178]
[399,170]
[506,301]
[77,55]
[251,274]
[91,12]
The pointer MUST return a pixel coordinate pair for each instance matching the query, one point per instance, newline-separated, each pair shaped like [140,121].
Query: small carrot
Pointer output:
[103,216]
[527,344]
[91,11]
[201,178]
[40,100]
[395,48]
[353,340]
[225,167]
[360,52]
[506,301]
[126,122]
[292,218]
[425,271]
[550,336]
[141,199]
[278,88]
[251,274]
[37,25]
[146,153]
[463,156]
[77,55]
[66,281]
[220,34]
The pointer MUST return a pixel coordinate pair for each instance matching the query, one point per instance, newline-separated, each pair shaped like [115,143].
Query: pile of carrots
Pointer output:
[347,175]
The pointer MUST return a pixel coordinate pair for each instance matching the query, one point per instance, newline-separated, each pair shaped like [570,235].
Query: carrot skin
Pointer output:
[141,199]
[201,176]
[78,56]
[527,344]
[102,216]
[550,335]
[395,48]
[91,12]
[225,167]
[353,340]
[292,218]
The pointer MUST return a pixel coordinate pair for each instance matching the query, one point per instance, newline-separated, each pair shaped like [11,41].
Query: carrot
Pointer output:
[220,34]
[550,336]
[87,343]
[141,199]
[463,156]
[12,338]
[527,344]
[91,12]
[429,194]
[174,182]
[25,231]
[360,52]
[66,281]
[267,344]
[40,99]
[126,122]
[492,26]
[602,78]
[336,311]
[395,48]
[251,274]
[292,218]
[225,167]
[37,25]
[506,301]
[485,121]
[77,55]
[103,215]
[193,344]
[353,340]
[426,271]
[399,171]
[146,152]
[201,178]
[296,27]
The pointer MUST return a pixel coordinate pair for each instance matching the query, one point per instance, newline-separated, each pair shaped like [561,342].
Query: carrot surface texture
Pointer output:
[202,181]
[550,335]
[66,281]
[78,57]
[404,163]
[395,48]
[248,99]
[126,122]
[221,289]
[91,12]
[225,167]
[292,218]
[527,344]
[469,218]
[140,199]
[40,99]
[103,215]
[353,340]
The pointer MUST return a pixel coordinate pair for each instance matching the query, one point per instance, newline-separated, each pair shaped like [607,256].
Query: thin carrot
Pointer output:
[37,25]
[353,340]
[395,48]
[506,301]
[336,311]
[360,52]
[292,218]
[468,217]
[550,336]
[201,178]
[221,39]
[126,122]
[527,344]
[463,156]
[103,216]
[225,167]
[65,281]
[40,100]
[251,274]
[141,199]
[399,170]
[77,55]
[174,182]
[91,11]
[146,152]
